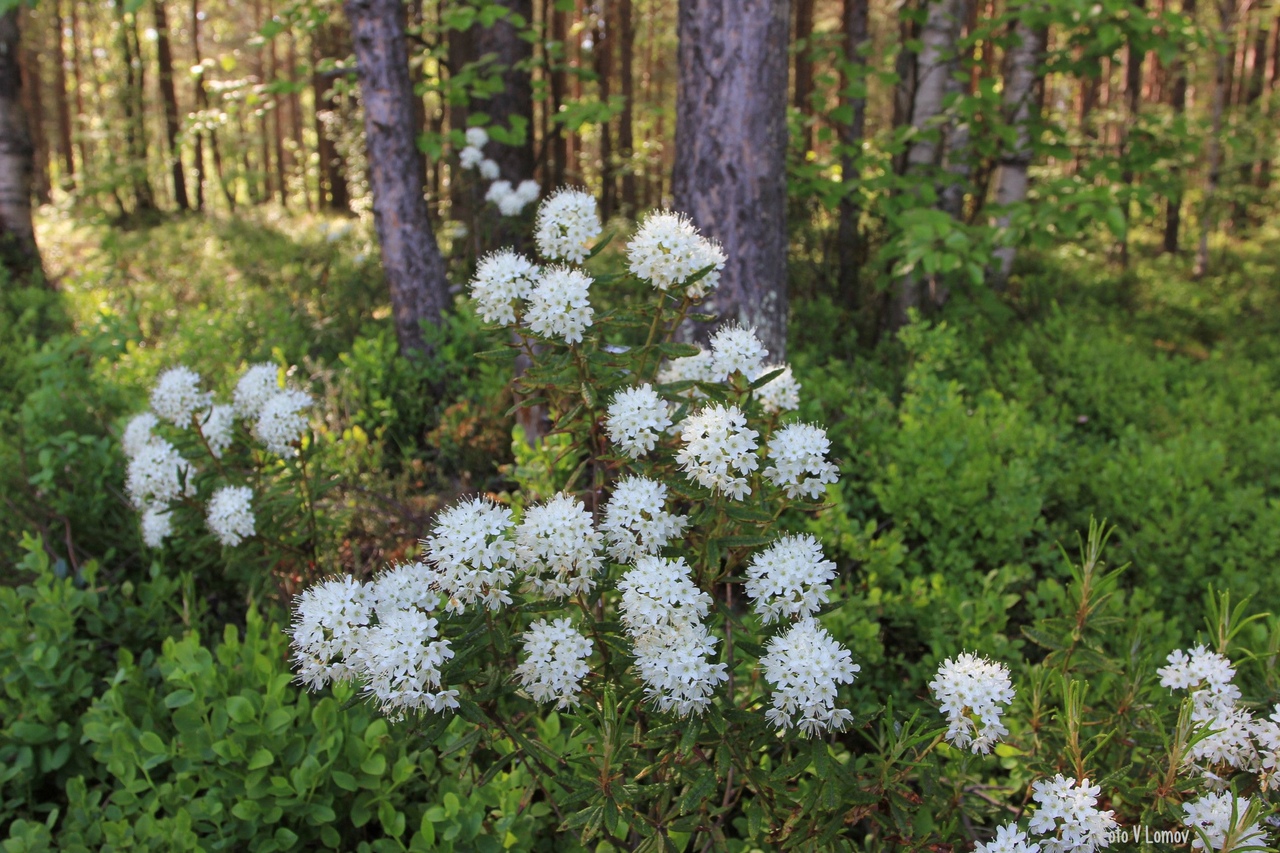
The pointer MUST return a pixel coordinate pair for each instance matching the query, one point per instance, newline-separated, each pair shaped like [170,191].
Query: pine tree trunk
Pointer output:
[1178,101]
[603,56]
[65,146]
[803,88]
[410,256]
[29,61]
[18,253]
[327,44]
[731,144]
[626,80]
[857,38]
[559,94]
[1021,100]
[1213,154]
[1133,100]
[169,101]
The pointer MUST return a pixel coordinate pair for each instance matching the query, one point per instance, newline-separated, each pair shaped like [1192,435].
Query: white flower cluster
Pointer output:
[1267,736]
[502,278]
[972,691]
[1208,675]
[379,634]
[780,394]
[1221,818]
[691,368]
[567,225]
[719,448]
[559,306]
[637,417]
[471,551]
[510,202]
[735,349]
[158,475]
[667,251]
[1009,839]
[282,421]
[555,662]
[805,665]
[636,522]
[558,548]
[789,578]
[800,466]
[258,384]
[177,396]
[662,609]
[230,514]
[1068,814]
[139,433]
[157,525]
[217,426]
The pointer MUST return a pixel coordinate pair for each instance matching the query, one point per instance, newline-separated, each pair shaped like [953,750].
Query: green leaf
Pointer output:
[239,709]
[179,698]
[151,742]
[261,758]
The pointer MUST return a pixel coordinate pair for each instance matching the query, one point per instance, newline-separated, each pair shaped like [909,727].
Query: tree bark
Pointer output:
[65,146]
[327,43]
[1021,101]
[602,50]
[559,93]
[29,60]
[18,253]
[78,83]
[1177,100]
[731,141]
[626,80]
[169,101]
[857,37]
[134,115]
[803,89]
[410,256]
[1213,156]
[1133,100]
[956,154]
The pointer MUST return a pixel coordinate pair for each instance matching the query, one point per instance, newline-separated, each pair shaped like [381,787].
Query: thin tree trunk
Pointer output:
[731,141]
[1263,181]
[169,101]
[1020,107]
[61,103]
[295,120]
[559,92]
[1178,101]
[134,128]
[603,56]
[411,258]
[334,193]
[957,155]
[857,38]
[626,133]
[78,81]
[29,61]
[278,122]
[1133,100]
[1213,155]
[1255,80]
[803,88]
[18,253]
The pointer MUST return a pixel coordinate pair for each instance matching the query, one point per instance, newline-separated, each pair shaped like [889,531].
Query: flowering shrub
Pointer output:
[654,601]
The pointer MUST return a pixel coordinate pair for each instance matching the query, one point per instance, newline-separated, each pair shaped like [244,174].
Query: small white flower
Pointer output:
[718,449]
[1212,815]
[528,191]
[637,417]
[177,396]
[555,662]
[558,548]
[470,157]
[216,425]
[658,592]
[156,475]
[636,522]
[502,278]
[668,251]
[780,394]
[498,191]
[477,137]
[471,550]
[971,691]
[1068,814]
[399,661]
[139,433]
[230,514]
[673,662]
[789,578]
[489,169]
[157,525]
[1009,839]
[559,306]
[567,224]
[1266,733]
[403,587]
[735,349]
[1208,676]
[511,204]
[1199,666]
[799,456]
[805,665]
[282,421]
[259,384]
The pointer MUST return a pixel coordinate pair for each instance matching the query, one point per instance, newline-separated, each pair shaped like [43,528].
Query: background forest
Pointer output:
[1021,257]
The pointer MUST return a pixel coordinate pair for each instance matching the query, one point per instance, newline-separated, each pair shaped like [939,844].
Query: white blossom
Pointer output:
[156,475]
[157,525]
[789,578]
[799,456]
[501,278]
[637,416]
[471,550]
[326,631]
[1266,735]
[498,190]
[259,384]
[177,396]
[489,169]
[1069,816]
[667,250]
[636,522]
[1212,815]
[230,514]
[403,587]
[567,225]
[971,692]
[719,449]
[1199,666]
[139,433]
[511,204]
[673,662]
[735,349]
[477,137]
[691,368]
[528,191]
[399,662]
[1009,839]
[656,592]
[217,425]
[470,157]
[559,306]
[558,548]
[780,394]
[805,665]
[555,662]
[282,421]
[1208,675]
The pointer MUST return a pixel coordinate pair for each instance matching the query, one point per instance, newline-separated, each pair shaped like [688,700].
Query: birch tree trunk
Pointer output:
[410,256]
[1021,108]
[18,253]
[730,162]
